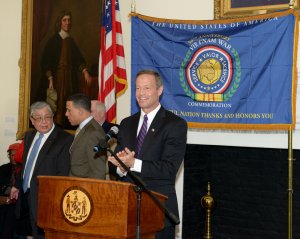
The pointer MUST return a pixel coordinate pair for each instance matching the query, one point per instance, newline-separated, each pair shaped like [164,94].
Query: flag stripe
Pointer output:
[108,40]
[112,68]
[121,62]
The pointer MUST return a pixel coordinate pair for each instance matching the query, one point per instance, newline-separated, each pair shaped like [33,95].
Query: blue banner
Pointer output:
[222,74]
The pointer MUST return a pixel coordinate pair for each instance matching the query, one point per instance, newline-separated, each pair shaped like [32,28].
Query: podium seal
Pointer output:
[76,206]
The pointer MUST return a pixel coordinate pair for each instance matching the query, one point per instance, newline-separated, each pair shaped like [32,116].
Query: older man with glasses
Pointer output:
[46,152]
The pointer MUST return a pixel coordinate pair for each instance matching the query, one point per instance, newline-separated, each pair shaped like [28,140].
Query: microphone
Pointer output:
[111,133]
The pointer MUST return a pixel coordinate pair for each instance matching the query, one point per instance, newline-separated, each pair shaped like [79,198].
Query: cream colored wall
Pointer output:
[10,38]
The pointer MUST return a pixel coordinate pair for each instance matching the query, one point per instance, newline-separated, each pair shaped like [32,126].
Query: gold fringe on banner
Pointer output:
[295,70]
[262,127]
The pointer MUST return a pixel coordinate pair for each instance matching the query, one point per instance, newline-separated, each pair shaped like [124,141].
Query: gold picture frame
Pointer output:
[87,34]
[224,8]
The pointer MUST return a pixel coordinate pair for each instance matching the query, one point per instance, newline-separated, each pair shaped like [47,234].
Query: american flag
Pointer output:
[112,69]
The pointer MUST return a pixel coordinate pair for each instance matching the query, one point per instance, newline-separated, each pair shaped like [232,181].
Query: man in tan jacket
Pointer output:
[85,163]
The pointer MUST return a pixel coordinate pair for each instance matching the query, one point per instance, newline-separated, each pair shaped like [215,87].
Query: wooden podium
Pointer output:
[80,208]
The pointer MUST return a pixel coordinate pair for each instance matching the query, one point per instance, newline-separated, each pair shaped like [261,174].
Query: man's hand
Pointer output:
[14,193]
[126,156]
[51,87]
[87,77]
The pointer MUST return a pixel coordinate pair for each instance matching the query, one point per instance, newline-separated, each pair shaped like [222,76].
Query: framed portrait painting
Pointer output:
[238,8]
[60,43]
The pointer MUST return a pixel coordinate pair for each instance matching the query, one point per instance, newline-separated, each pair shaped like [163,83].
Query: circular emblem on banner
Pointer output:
[209,70]
[76,206]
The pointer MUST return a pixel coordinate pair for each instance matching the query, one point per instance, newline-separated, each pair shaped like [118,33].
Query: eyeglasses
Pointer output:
[39,119]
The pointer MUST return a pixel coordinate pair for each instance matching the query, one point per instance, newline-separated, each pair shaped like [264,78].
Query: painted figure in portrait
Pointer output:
[64,62]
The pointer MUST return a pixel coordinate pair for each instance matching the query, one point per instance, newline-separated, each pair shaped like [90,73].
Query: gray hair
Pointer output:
[99,105]
[40,105]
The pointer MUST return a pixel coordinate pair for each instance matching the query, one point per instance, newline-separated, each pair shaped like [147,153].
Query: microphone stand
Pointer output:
[139,188]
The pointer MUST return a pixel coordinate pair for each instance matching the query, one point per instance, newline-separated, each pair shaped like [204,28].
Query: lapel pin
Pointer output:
[152,130]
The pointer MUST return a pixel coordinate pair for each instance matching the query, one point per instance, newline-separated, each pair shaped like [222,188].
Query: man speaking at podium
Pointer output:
[152,143]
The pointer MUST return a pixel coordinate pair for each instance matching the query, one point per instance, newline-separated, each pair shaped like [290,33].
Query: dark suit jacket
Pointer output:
[53,159]
[162,152]
[84,162]
[107,126]
[5,177]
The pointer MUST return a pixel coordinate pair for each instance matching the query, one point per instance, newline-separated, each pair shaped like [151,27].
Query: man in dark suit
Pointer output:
[98,110]
[84,162]
[157,157]
[51,158]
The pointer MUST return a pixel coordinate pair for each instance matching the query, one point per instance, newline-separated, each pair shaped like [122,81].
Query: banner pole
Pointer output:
[290,170]
[290,183]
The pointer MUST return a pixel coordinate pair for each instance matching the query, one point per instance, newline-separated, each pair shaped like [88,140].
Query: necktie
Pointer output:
[141,136]
[30,161]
